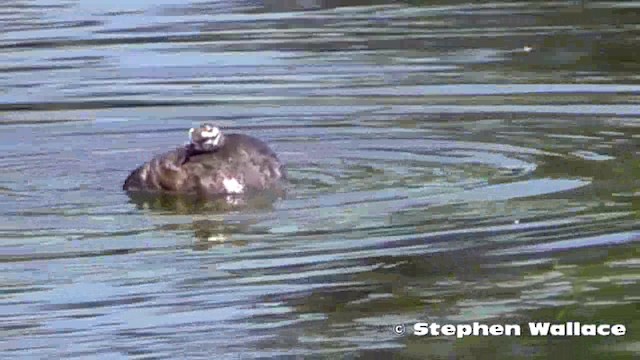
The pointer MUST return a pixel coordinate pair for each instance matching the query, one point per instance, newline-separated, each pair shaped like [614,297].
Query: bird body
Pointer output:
[213,164]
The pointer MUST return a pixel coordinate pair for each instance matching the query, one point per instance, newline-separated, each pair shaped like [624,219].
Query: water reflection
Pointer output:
[192,204]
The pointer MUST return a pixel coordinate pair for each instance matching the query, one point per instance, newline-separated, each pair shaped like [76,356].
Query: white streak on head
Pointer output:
[232,186]
[213,142]
[213,133]
[191,134]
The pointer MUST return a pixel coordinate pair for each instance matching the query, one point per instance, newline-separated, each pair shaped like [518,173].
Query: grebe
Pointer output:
[212,163]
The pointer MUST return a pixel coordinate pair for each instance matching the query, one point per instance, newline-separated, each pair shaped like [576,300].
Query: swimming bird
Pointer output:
[212,163]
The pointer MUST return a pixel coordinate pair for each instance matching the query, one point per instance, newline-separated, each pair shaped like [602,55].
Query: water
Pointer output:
[450,162]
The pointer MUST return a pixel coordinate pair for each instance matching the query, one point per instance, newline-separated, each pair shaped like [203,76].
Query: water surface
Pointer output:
[450,162]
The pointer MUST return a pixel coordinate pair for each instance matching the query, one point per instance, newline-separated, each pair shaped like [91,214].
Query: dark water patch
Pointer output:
[97,304]
[100,104]
[38,257]
[33,68]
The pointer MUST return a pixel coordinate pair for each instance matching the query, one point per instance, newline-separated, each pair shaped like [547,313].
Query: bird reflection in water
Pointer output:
[209,226]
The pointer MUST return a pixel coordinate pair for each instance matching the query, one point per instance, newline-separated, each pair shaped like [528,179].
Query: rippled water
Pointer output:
[451,162]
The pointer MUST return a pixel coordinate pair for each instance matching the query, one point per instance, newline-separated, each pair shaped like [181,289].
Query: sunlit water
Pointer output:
[449,163]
